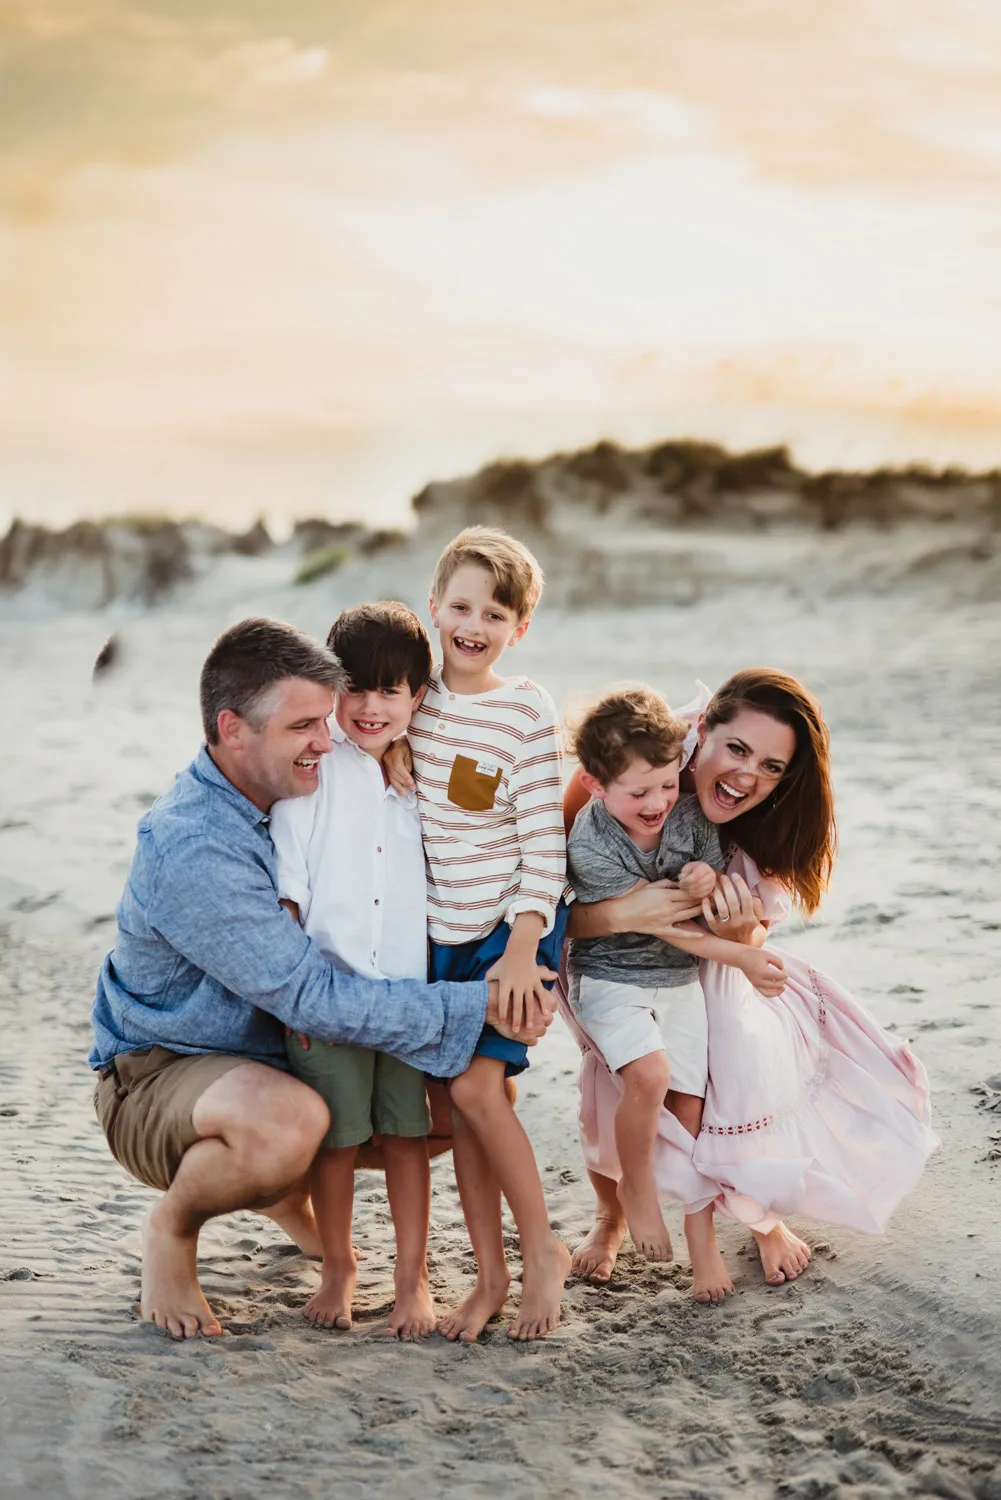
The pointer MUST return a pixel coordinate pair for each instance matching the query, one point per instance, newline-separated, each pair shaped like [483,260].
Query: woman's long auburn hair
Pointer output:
[791,835]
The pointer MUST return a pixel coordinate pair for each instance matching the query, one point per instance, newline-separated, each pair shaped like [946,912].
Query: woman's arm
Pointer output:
[655,909]
[574,798]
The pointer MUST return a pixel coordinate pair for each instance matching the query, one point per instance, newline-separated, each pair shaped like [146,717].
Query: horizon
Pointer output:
[273,261]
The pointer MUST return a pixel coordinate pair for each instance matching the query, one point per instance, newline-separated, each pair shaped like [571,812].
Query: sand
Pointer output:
[875,1375]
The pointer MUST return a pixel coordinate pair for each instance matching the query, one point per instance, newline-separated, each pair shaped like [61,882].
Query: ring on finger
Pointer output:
[724,919]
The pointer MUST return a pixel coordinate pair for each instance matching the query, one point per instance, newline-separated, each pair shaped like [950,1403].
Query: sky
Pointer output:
[300,258]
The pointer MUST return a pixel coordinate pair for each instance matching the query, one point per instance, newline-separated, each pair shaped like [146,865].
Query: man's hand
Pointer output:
[399,763]
[697,879]
[765,970]
[536,1023]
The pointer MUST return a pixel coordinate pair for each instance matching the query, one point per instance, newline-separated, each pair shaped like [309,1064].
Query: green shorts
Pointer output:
[368,1093]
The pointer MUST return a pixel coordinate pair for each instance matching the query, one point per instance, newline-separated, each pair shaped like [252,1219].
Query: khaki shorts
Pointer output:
[144,1103]
[368,1093]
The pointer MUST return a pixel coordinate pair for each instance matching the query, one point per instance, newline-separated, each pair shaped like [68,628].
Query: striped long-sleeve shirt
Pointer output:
[489,783]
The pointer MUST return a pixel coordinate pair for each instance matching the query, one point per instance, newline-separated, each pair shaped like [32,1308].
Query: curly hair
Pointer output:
[631,724]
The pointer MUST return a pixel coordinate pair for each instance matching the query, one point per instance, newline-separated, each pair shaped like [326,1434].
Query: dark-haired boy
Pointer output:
[351,869]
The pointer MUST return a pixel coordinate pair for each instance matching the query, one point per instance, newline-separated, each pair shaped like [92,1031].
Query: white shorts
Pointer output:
[628,1022]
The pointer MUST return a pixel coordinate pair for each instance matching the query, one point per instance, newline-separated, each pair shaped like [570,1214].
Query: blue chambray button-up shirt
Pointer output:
[207,961]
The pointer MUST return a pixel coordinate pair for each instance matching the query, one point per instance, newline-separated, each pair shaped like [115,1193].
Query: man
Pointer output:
[208,969]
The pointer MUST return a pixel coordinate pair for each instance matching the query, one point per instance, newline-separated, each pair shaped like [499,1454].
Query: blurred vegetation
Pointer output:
[319,562]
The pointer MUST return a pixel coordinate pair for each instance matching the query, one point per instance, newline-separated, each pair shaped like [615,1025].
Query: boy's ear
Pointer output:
[592,785]
[433,611]
[419,697]
[520,631]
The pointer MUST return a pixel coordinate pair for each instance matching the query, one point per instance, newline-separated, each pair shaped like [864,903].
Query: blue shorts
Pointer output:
[467,961]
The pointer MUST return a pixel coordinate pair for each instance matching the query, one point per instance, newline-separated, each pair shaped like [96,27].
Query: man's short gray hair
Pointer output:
[249,660]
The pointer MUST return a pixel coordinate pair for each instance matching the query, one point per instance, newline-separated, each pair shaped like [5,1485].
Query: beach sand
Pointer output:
[877,1374]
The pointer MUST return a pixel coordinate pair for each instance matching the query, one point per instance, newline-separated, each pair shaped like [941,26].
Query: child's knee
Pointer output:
[478,1089]
[649,1077]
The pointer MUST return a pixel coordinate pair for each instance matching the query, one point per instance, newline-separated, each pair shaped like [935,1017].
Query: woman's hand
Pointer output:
[399,763]
[731,912]
[657,909]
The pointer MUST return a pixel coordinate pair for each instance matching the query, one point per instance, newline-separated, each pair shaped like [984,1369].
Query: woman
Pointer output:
[811,1108]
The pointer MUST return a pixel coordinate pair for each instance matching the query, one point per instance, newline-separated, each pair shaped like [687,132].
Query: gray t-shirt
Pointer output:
[603,861]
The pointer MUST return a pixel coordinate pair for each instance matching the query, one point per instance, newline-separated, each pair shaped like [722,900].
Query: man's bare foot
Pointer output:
[330,1305]
[467,1321]
[594,1259]
[646,1222]
[171,1297]
[709,1273]
[784,1256]
[542,1292]
[294,1215]
[413,1312]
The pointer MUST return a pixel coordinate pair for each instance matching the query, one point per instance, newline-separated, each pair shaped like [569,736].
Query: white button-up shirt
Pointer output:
[350,856]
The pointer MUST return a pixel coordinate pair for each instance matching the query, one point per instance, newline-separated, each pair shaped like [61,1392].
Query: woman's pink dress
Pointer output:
[812,1108]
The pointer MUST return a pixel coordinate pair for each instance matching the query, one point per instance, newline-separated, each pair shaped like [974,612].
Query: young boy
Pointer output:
[487,762]
[351,869]
[637,996]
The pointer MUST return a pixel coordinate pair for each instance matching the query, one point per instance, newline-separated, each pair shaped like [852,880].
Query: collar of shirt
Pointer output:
[340,738]
[206,770]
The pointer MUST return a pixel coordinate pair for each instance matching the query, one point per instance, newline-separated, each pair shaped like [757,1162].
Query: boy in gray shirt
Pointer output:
[637,996]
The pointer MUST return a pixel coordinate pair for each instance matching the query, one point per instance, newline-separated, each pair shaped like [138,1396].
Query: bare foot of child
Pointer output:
[784,1256]
[467,1321]
[709,1273]
[646,1222]
[330,1306]
[594,1259]
[413,1312]
[542,1293]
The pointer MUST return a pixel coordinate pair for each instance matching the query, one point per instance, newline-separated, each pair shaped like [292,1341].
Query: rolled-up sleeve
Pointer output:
[233,929]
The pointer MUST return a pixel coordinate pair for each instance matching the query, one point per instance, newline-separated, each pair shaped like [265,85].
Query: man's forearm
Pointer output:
[433,1027]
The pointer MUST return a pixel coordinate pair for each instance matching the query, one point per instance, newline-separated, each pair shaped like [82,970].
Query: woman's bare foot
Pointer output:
[171,1297]
[294,1215]
[784,1256]
[594,1259]
[467,1321]
[709,1273]
[645,1220]
[413,1312]
[542,1292]
[330,1305]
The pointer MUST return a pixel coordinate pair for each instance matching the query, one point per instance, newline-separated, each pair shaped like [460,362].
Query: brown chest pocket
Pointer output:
[473,784]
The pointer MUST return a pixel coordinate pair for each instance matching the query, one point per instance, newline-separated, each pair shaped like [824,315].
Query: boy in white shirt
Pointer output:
[351,870]
[487,763]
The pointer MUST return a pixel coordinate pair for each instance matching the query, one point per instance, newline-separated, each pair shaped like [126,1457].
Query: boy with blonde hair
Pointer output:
[487,762]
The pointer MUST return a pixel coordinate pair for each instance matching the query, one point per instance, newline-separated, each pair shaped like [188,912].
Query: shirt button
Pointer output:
[378,848]
[451,697]
[377,901]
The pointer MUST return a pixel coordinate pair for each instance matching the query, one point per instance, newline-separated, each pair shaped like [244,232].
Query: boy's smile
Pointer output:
[474,629]
[640,798]
[374,718]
